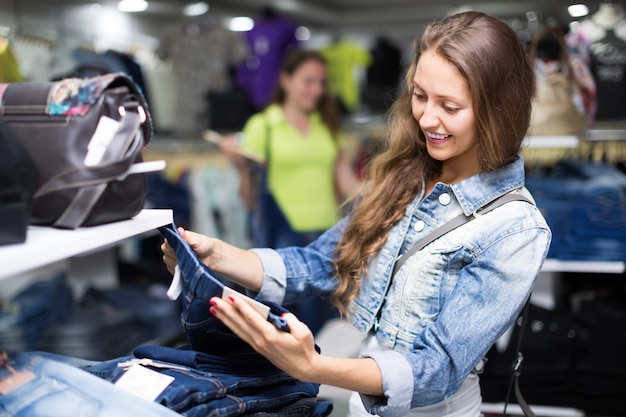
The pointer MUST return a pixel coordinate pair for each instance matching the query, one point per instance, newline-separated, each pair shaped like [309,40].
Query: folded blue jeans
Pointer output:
[200,284]
[198,393]
[214,352]
[59,390]
[24,317]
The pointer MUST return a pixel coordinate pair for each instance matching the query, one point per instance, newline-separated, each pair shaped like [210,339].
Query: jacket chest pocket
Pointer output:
[422,284]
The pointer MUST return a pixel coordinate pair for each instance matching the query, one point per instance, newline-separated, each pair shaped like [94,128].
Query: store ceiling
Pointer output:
[389,15]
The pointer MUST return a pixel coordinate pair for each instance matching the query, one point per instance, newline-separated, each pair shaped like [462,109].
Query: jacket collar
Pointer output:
[478,190]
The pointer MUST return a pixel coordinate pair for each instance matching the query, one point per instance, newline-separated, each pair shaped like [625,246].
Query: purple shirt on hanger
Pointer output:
[268,41]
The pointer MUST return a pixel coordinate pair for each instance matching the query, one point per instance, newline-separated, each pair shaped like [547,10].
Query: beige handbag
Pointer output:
[554,111]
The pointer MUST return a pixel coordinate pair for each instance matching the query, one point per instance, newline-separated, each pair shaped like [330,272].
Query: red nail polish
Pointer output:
[230,297]
[283,315]
[212,310]
[213,303]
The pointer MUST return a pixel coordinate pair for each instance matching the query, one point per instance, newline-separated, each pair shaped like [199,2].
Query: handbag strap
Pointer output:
[90,182]
[268,149]
[461,219]
[516,370]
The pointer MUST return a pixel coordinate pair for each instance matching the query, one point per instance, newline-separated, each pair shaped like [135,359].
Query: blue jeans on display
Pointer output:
[224,392]
[218,375]
[24,317]
[200,284]
[60,390]
[585,205]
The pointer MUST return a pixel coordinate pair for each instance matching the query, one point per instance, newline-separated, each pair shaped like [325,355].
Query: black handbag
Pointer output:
[18,179]
[86,137]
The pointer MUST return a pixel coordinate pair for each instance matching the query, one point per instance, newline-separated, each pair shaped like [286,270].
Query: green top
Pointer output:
[345,59]
[301,167]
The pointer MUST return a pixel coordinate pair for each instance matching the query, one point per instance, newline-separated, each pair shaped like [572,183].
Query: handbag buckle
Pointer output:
[142,113]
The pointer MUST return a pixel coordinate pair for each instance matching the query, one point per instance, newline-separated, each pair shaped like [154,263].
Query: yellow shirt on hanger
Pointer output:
[345,58]
[9,68]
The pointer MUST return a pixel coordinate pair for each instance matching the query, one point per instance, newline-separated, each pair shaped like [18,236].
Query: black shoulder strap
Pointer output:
[453,224]
[268,136]
[516,369]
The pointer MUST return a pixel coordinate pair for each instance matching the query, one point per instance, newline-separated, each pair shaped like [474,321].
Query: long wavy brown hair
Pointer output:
[493,60]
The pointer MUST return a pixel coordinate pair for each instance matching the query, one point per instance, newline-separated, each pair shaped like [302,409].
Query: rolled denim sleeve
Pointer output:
[289,274]
[274,275]
[395,371]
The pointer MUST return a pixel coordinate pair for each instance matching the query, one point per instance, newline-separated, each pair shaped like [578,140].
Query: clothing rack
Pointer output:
[597,145]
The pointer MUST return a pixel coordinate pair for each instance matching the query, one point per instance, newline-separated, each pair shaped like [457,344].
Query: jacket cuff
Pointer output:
[397,379]
[274,276]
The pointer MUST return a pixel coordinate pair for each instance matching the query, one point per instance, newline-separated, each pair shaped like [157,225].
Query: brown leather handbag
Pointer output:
[86,137]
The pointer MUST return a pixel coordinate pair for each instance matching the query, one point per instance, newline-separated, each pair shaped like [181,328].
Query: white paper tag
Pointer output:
[260,307]
[176,287]
[99,142]
[143,382]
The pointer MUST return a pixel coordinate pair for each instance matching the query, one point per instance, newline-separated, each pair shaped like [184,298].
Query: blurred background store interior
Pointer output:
[65,25]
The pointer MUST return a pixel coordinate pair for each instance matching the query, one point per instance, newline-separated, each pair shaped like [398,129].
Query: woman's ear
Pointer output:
[284,80]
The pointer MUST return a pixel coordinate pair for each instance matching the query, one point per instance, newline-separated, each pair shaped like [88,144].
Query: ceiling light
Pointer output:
[132,5]
[303,33]
[196,9]
[578,10]
[240,24]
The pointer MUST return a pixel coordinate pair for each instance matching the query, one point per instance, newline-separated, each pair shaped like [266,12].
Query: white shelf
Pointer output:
[46,245]
[600,267]
[554,141]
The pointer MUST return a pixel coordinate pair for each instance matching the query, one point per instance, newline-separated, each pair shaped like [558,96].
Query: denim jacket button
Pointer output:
[444,199]
[419,226]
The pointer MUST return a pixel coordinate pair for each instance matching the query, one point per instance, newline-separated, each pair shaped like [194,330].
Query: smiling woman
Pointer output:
[444,111]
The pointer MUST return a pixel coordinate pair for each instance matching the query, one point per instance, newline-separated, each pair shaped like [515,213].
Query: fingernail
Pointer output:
[231,298]
[283,315]
[213,303]
[212,310]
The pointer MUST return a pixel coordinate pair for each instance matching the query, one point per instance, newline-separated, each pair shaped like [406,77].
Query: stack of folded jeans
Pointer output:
[584,204]
[55,389]
[24,317]
[217,374]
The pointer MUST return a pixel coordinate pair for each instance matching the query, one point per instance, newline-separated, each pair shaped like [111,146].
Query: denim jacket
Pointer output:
[448,303]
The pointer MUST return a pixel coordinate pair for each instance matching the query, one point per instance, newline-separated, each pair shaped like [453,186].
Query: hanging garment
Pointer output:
[345,60]
[269,41]
[203,54]
[9,67]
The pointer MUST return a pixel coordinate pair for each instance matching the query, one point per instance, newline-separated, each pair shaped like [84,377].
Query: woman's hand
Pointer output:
[241,266]
[202,245]
[293,352]
[230,147]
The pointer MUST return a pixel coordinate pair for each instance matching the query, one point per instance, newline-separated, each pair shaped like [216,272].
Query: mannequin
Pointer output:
[601,41]
[609,14]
